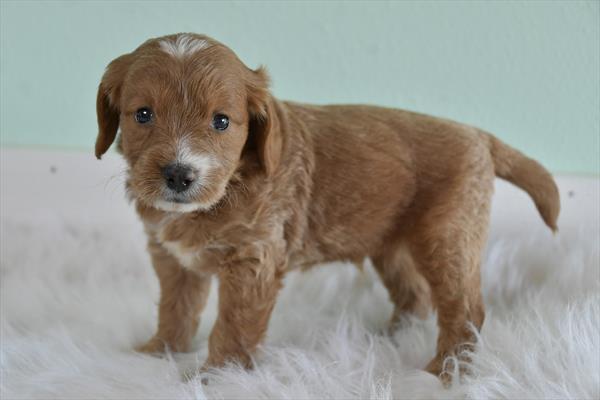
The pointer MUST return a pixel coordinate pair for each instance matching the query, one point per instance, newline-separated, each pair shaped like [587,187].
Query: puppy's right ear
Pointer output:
[108,103]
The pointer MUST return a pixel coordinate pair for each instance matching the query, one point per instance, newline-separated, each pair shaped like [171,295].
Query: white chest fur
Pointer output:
[190,257]
[187,257]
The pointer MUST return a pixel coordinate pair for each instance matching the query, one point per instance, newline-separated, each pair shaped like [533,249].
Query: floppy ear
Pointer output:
[264,125]
[107,103]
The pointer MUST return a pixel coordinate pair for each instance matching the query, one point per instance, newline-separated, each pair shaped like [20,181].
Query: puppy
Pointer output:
[230,181]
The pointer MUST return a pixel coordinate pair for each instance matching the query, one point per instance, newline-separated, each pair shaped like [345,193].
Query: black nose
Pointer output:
[179,177]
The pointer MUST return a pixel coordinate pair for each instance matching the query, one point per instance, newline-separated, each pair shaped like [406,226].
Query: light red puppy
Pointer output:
[230,181]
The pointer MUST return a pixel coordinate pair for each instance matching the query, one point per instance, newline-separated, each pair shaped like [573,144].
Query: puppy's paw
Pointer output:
[440,369]
[203,372]
[449,369]
[154,346]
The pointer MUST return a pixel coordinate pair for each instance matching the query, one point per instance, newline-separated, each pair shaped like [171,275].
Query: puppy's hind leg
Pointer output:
[447,247]
[408,289]
[183,295]
[453,274]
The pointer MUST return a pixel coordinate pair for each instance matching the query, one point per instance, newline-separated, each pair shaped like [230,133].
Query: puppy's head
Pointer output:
[186,108]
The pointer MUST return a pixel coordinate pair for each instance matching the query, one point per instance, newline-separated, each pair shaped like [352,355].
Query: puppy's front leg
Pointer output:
[183,295]
[247,294]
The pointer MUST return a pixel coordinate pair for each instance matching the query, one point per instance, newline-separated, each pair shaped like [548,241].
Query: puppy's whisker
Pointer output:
[115,180]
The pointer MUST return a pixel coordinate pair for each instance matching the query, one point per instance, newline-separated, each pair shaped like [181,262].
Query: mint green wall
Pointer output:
[527,71]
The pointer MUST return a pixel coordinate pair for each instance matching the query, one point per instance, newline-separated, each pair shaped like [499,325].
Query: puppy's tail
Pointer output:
[526,173]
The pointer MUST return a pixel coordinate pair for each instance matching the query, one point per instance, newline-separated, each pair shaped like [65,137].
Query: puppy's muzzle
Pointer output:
[179,177]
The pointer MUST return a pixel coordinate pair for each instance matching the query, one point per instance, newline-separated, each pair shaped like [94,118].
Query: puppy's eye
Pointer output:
[220,122]
[143,115]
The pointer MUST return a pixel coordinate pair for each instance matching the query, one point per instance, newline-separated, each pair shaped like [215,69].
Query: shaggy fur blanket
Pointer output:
[78,293]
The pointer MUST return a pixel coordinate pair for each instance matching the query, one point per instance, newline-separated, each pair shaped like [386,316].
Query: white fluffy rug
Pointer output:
[78,293]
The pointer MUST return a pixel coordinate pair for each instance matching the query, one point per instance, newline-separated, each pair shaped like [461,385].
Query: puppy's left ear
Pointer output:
[108,103]
[264,126]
